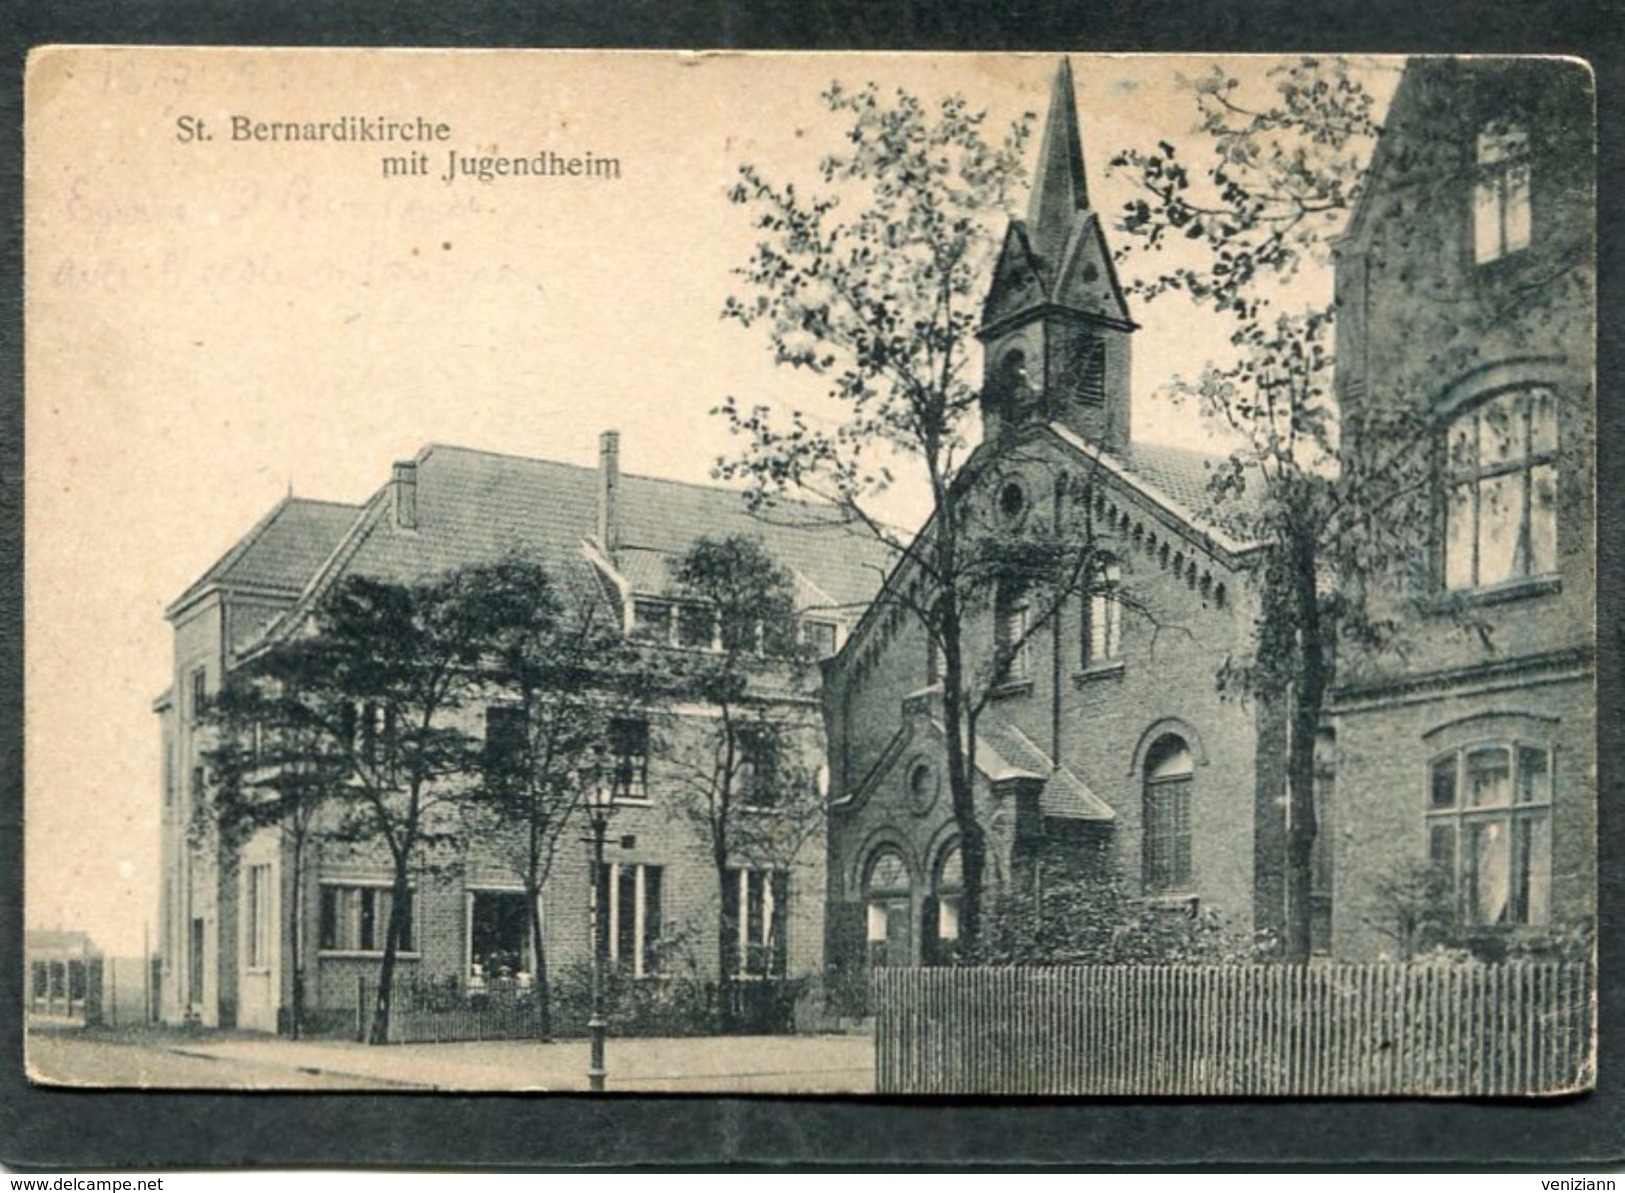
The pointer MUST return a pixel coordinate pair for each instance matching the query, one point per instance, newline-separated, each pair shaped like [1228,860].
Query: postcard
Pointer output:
[782,573]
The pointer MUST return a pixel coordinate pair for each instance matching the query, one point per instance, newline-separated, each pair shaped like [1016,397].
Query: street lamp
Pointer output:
[600,803]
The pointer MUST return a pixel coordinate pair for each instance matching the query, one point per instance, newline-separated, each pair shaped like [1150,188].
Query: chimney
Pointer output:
[609,484]
[406,494]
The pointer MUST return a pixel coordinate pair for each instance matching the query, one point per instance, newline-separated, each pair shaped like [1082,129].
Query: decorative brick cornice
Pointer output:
[1517,671]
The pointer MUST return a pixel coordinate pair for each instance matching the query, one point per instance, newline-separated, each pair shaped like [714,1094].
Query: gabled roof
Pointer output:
[476,506]
[1004,754]
[281,553]
[1179,480]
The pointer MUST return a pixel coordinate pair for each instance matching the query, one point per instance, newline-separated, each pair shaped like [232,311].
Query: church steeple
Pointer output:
[1055,326]
[1060,191]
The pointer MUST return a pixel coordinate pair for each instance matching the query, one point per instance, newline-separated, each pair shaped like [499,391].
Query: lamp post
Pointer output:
[599,805]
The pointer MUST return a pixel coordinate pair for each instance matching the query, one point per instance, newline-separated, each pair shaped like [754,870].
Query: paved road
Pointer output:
[744,1064]
[70,1058]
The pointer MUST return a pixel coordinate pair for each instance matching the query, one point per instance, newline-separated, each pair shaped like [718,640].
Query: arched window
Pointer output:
[1167,833]
[1010,630]
[1103,614]
[1012,389]
[1502,218]
[942,915]
[1500,519]
[888,894]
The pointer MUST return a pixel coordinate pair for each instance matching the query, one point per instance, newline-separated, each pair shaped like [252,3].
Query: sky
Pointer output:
[211,324]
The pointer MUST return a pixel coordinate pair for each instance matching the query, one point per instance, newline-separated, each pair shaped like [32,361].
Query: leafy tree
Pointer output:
[740,780]
[401,664]
[558,656]
[1342,493]
[274,765]
[883,302]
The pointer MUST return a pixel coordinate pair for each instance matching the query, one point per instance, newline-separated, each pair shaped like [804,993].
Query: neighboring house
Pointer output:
[225,944]
[1107,744]
[1465,300]
[64,975]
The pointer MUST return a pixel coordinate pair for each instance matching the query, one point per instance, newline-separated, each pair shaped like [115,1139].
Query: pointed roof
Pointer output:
[280,554]
[475,506]
[1057,257]
[1059,190]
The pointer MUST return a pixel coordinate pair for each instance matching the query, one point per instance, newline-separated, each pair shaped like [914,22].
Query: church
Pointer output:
[1106,745]
[1455,782]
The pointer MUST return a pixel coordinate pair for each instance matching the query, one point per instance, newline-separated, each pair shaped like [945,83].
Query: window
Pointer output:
[499,944]
[628,916]
[652,620]
[199,685]
[1086,370]
[1167,844]
[922,786]
[1502,220]
[942,916]
[887,891]
[756,903]
[696,627]
[195,944]
[933,644]
[506,742]
[169,772]
[629,758]
[819,637]
[1322,852]
[1103,615]
[1489,820]
[355,919]
[1012,502]
[258,900]
[1010,386]
[1010,630]
[758,778]
[1501,503]
[198,785]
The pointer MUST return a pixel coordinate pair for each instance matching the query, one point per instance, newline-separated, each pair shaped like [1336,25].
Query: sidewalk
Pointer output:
[713,1064]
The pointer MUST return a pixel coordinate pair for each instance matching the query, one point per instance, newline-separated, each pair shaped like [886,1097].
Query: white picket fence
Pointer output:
[1428,1030]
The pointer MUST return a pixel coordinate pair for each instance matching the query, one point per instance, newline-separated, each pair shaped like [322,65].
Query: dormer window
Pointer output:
[696,627]
[651,620]
[819,637]
[1502,219]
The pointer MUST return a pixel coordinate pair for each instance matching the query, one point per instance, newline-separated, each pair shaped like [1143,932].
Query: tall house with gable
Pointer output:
[228,953]
[1465,310]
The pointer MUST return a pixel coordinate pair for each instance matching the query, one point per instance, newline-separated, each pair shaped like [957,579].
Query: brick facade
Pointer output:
[1066,756]
[1464,283]
[468,507]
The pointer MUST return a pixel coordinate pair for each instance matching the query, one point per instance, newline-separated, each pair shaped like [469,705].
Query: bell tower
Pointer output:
[1055,326]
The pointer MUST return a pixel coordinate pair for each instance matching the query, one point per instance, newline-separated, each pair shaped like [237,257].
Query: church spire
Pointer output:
[1059,191]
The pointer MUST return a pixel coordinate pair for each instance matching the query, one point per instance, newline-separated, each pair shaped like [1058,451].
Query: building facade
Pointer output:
[227,941]
[1465,757]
